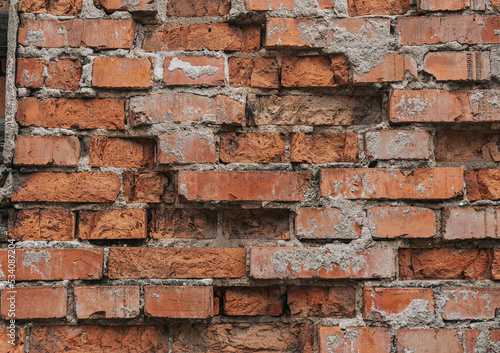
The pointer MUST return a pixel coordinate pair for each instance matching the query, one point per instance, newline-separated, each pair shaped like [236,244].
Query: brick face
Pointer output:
[253,301]
[41,224]
[180,302]
[27,299]
[116,302]
[314,71]
[307,301]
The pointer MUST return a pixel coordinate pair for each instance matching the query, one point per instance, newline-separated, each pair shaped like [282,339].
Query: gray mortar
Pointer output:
[89,10]
[193,72]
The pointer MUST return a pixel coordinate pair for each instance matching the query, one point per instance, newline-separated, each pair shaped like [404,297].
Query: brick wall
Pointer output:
[254,176]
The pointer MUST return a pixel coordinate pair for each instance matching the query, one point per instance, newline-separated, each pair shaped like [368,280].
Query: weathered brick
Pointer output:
[326,4]
[41,224]
[404,222]
[305,301]
[113,224]
[141,6]
[179,302]
[265,5]
[325,262]
[458,66]
[252,147]
[317,110]
[28,303]
[177,262]
[397,144]
[243,185]
[495,267]
[392,69]
[495,4]
[72,113]
[466,303]
[275,338]
[382,303]
[254,72]
[148,187]
[445,263]
[354,339]
[179,223]
[120,152]
[181,107]
[324,223]
[57,8]
[47,150]
[324,148]
[98,339]
[368,183]
[262,223]
[12,341]
[63,74]
[466,146]
[29,72]
[193,70]
[107,302]
[122,72]
[186,147]
[483,184]
[378,7]
[495,336]
[473,29]
[437,340]
[215,36]
[66,187]
[470,223]
[449,5]
[253,301]
[193,8]
[289,33]
[314,71]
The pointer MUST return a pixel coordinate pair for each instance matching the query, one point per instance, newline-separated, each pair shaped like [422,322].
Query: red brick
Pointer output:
[193,8]
[314,71]
[354,339]
[215,36]
[326,4]
[445,263]
[404,222]
[148,187]
[179,302]
[116,302]
[470,223]
[324,223]
[253,301]
[98,339]
[472,29]
[378,7]
[47,150]
[186,147]
[58,8]
[37,73]
[392,69]
[265,5]
[123,72]
[177,262]
[181,223]
[364,183]
[55,264]
[324,148]
[30,72]
[483,184]
[322,301]
[495,4]
[458,66]
[181,107]
[495,268]
[397,144]
[326,262]
[252,148]
[261,223]
[72,113]
[495,336]
[193,70]
[119,152]
[141,6]
[102,34]
[437,340]
[66,187]
[381,303]
[254,72]
[244,186]
[449,5]
[28,303]
[42,224]
[12,340]
[466,303]
[466,146]
[113,224]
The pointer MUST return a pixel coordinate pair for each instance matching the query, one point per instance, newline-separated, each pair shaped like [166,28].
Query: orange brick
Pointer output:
[326,4]
[378,7]
[186,147]
[322,301]
[381,303]
[368,183]
[264,223]
[148,187]
[181,223]
[354,339]
[458,66]
[397,144]
[30,72]
[404,222]
[252,148]
[113,224]
[449,5]
[495,4]
[265,5]
[466,146]
[66,187]
[47,150]
[466,303]
[58,8]
[41,224]
[253,301]
[193,8]
[179,302]
[495,268]
[215,36]
[26,303]
[141,6]
[193,70]
[12,339]
[243,185]
[392,69]
[324,148]
[123,72]
[118,152]
[437,340]
[116,302]
[61,74]
[284,263]
[254,72]
[324,223]
[482,184]
[314,71]
[177,262]
[72,113]
[470,223]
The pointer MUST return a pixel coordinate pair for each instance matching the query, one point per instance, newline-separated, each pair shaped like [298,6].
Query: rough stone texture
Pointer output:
[397,144]
[141,6]
[253,301]
[113,224]
[434,341]
[193,8]
[464,303]
[27,301]
[482,184]
[357,339]
[378,7]
[41,224]
[393,68]
[148,187]
[324,148]
[122,73]
[405,222]
[305,301]
[254,72]
[466,146]
[179,302]
[118,152]
[470,66]
[53,7]
[183,223]
[252,148]
[186,147]
[116,302]
[470,223]
[314,71]
[193,70]
[324,223]
[256,224]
